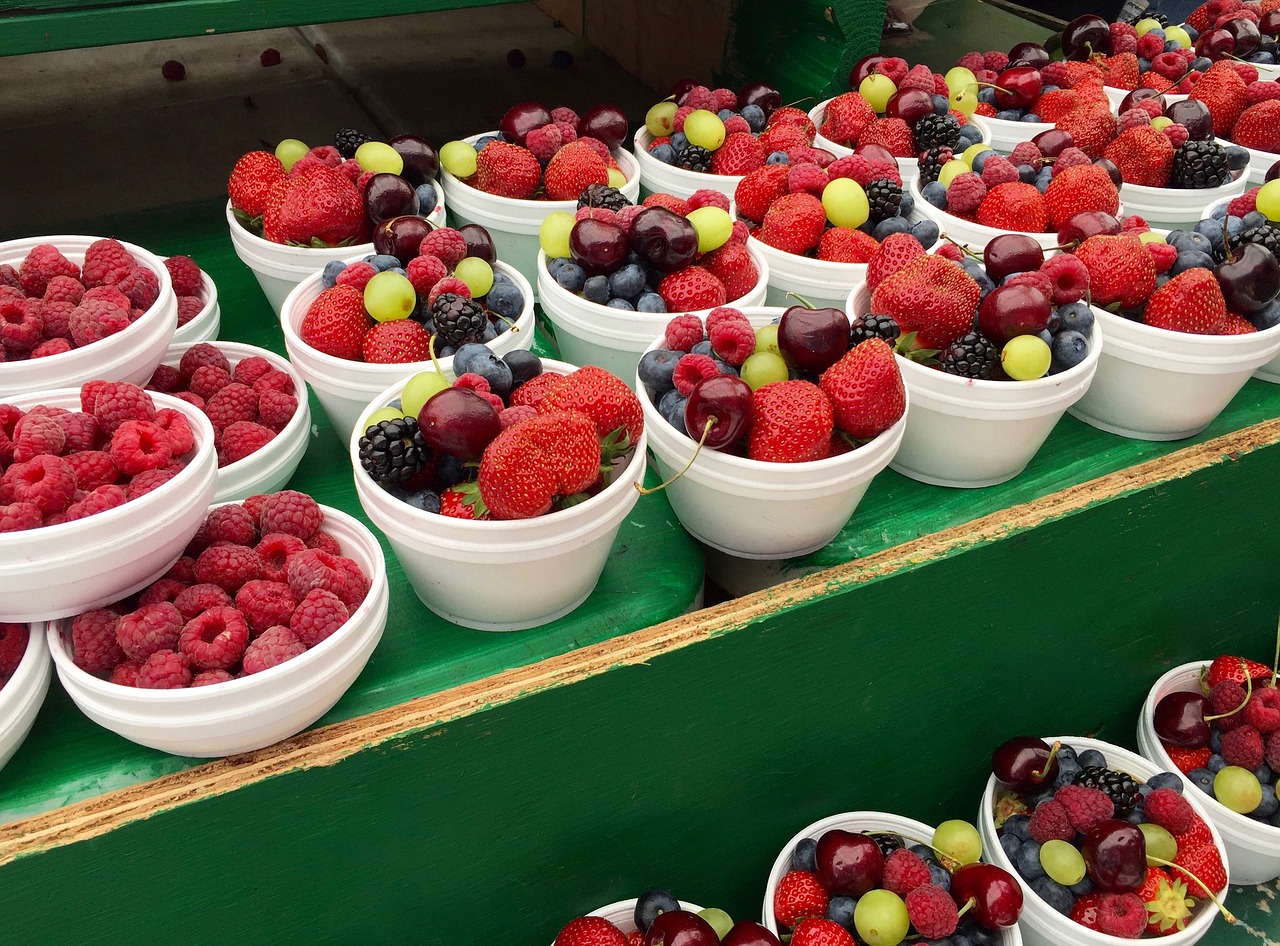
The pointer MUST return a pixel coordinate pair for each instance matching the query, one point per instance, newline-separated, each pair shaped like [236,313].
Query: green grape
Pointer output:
[1146,25]
[881,918]
[959,840]
[714,227]
[1025,357]
[379,157]
[877,89]
[1178,35]
[973,151]
[477,274]
[1269,200]
[763,367]
[1150,236]
[381,414]
[958,78]
[951,170]
[965,100]
[658,119]
[1161,122]
[767,338]
[617,178]
[389,296]
[704,129]
[718,920]
[553,235]
[845,202]
[1160,843]
[458,158]
[290,150]
[1062,862]
[419,389]
[1238,789]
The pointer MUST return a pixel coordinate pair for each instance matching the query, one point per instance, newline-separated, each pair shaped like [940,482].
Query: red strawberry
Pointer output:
[784,137]
[250,181]
[336,323]
[1120,270]
[635,938]
[324,209]
[847,245]
[1119,71]
[845,117]
[1085,911]
[733,266]
[1080,188]
[1199,856]
[794,223]
[799,894]
[1237,325]
[1053,105]
[396,343]
[601,396]
[791,422]
[677,205]
[575,167]
[1014,206]
[1235,670]
[865,389]
[507,170]
[931,296]
[690,289]
[1187,760]
[272,206]
[892,133]
[757,191]
[1144,156]
[459,502]
[897,250]
[590,931]
[741,153]
[821,932]
[1259,126]
[1224,93]
[532,462]
[1092,127]
[1189,302]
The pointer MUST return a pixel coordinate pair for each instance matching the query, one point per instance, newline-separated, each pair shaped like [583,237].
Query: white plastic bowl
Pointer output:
[1177,207]
[279,267]
[344,387]
[251,712]
[974,235]
[658,177]
[969,433]
[204,326]
[22,697]
[759,510]
[1005,134]
[858,821]
[60,570]
[543,568]
[130,355]
[1044,926]
[1253,848]
[622,913]
[269,469]
[1155,384]
[514,224]
[591,334]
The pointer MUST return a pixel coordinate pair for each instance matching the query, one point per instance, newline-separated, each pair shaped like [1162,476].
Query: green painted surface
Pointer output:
[946,29]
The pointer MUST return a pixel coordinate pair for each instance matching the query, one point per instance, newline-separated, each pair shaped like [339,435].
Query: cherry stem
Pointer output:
[1226,243]
[803,301]
[1053,751]
[992,85]
[962,247]
[968,905]
[1248,692]
[1226,914]
[711,422]
[431,350]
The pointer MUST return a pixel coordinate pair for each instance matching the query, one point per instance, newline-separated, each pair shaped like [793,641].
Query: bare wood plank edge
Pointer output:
[327,746]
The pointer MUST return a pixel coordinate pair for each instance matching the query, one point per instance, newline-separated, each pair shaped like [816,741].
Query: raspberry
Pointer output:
[176,428]
[998,170]
[1133,118]
[139,445]
[325,543]
[513,415]
[21,325]
[1133,223]
[596,213]
[1151,107]
[1086,807]
[105,263]
[733,341]
[37,435]
[1069,158]
[1024,152]
[1163,254]
[81,430]
[1243,747]
[272,647]
[994,60]
[356,275]
[162,590]
[544,142]
[119,401]
[13,644]
[965,193]
[52,346]
[42,264]
[1049,821]
[566,115]
[193,399]
[64,289]
[164,670]
[99,500]
[183,570]
[1177,134]
[314,568]
[276,409]
[232,403]
[228,566]
[95,648]
[932,911]
[705,197]
[691,369]
[357,586]
[142,286]
[450,284]
[244,438]
[201,355]
[208,380]
[1245,203]
[808,178]
[683,332]
[209,677]
[18,517]
[446,244]
[317,616]
[291,512]
[1272,751]
[274,380]
[1122,914]
[265,603]
[150,628]
[199,598]
[1068,278]
[126,673]
[424,272]
[1226,697]
[92,468]
[231,523]
[1169,810]
[215,639]
[57,321]
[249,370]
[109,294]
[184,274]
[148,480]
[1263,710]
[49,483]
[274,550]
[904,871]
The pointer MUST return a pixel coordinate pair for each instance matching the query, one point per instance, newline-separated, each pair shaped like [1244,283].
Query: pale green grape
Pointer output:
[658,119]
[951,170]
[553,235]
[763,367]
[959,840]
[973,151]
[458,158]
[704,129]
[1238,789]
[1146,25]
[1161,122]
[714,227]
[617,178]
[477,274]
[419,389]
[845,202]
[767,338]
[1178,35]
[965,100]
[958,77]
[1160,843]
[1025,357]
[290,150]
[718,920]
[1150,236]
[881,918]
[1269,200]
[381,414]
[379,157]
[877,89]
[1062,862]
[389,296]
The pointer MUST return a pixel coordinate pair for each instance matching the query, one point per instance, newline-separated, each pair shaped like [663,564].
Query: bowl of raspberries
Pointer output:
[25,671]
[74,308]
[199,315]
[267,618]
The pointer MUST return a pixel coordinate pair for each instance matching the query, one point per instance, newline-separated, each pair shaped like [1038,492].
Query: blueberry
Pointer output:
[655,370]
[926,231]
[671,407]
[1054,894]
[941,105]
[627,282]
[939,874]
[1135,316]
[664,153]
[1237,157]
[1264,774]
[555,264]
[462,360]
[987,95]
[506,299]
[1027,860]
[679,141]
[1216,763]
[1157,31]
[490,332]
[1048,88]
[524,365]
[1215,740]
[923,851]
[725,368]
[1091,758]
[971,134]
[980,161]
[571,276]
[1068,769]
[1202,779]
[650,904]
[1010,845]
[424,499]
[1009,115]
[1017,825]
[445,352]
[777,157]
[1192,33]
[702,348]
[487,139]
[840,910]
[651,302]
[1201,63]
[1031,117]
[755,117]
[936,194]
[1266,317]
[1269,804]
[890,225]
[1254,218]
[1234,226]
[596,289]
[1165,780]
[1078,317]
[426,198]
[1067,349]
[493,369]
[1191,259]
[620,304]
[1171,46]
[449,470]
[1083,887]
[1197,239]
[725,113]
[1134,816]
[1144,64]
[1043,177]
[906,205]
[329,275]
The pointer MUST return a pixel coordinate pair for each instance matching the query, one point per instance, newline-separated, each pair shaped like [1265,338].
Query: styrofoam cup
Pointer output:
[279,267]
[756,509]
[63,569]
[542,568]
[622,914]
[1005,135]
[1177,207]
[658,177]
[1253,848]
[970,433]
[130,355]
[514,224]
[591,334]
[974,235]
[344,387]
[270,468]
[1156,384]
[1044,926]
[23,695]
[204,325]
[859,822]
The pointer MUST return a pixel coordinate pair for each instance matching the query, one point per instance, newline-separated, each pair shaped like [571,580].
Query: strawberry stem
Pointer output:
[706,429]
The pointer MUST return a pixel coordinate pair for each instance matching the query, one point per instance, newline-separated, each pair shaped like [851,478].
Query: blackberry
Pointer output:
[693,158]
[971,357]
[873,326]
[884,198]
[1264,235]
[888,843]
[936,131]
[1122,789]
[931,162]
[1200,164]
[602,195]
[394,452]
[1146,14]
[458,320]
[347,140]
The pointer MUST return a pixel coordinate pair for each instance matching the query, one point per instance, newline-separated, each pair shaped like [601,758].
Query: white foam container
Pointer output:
[204,325]
[856,821]
[266,470]
[657,177]
[974,235]
[756,509]
[547,565]
[622,913]
[588,333]
[63,569]
[279,267]
[344,387]
[1253,848]
[1156,384]
[22,697]
[969,433]
[1177,207]
[1005,135]
[513,223]
[251,712]
[1259,164]
[130,355]
[1044,926]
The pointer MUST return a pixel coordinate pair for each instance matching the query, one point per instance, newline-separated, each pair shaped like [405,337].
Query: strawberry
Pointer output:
[1237,325]
[336,323]
[396,343]
[892,133]
[677,205]
[1080,188]
[791,422]
[897,250]
[1014,206]
[459,502]
[1224,93]
[1119,71]
[273,205]
[1081,73]
[799,894]
[1053,105]
[690,289]
[506,170]
[1234,669]
[796,117]
[250,181]
[1144,156]
[1188,760]
[783,137]
[590,931]
[532,462]
[1092,127]
[847,245]
[931,296]
[1085,910]
[1189,302]
[602,397]
[635,938]
[1259,126]
[741,153]
[1120,270]
[821,932]
[759,189]
[865,389]
[733,266]
[845,117]
[794,223]
[575,167]
[323,209]
[1199,856]
[1168,907]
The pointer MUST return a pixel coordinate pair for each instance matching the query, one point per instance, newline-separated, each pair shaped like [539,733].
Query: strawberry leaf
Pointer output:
[252,224]
[470,491]
[615,444]
[909,348]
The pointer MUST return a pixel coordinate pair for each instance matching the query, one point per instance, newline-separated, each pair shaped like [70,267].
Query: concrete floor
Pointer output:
[96,131]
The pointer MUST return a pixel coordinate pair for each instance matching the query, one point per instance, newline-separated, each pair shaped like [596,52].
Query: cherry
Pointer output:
[1115,852]
[680,88]
[521,119]
[1179,720]
[459,421]
[1215,44]
[910,105]
[1024,763]
[759,93]
[849,863]
[666,240]
[389,195]
[479,242]
[863,68]
[1009,311]
[1140,95]
[1249,277]
[996,896]
[1112,171]
[1269,23]
[401,236]
[1080,226]
[813,339]
[598,246]
[1245,33]
[875,152]
[421,163]
[1018,87]
[681,928]
[1053,141]
[1272,172]
[1194,114]
[1029,54]
[1086,35]
[747,933]
[1011,253]
[724,402]
[605,122]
